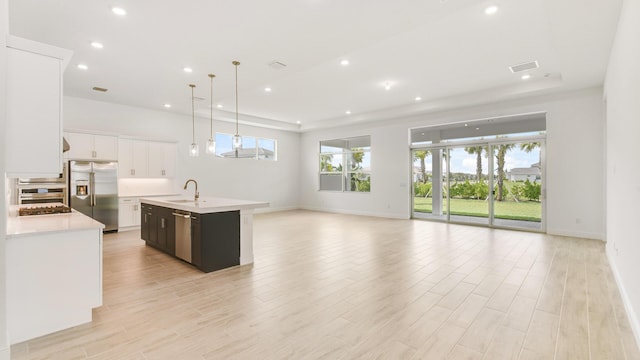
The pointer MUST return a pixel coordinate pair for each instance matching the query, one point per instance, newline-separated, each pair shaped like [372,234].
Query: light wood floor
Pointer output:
[347,287]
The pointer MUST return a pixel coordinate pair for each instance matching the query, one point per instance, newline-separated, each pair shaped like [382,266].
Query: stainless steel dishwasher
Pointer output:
[183,234]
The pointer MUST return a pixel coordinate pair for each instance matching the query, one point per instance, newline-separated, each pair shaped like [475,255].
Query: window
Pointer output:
[345,164]
[252,147]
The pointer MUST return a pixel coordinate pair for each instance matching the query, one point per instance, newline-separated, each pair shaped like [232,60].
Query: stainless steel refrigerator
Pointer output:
[93,190]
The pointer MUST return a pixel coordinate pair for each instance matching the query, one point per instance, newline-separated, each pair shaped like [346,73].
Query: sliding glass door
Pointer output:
[488,182]
[517,179]
[430,200]
[468,184]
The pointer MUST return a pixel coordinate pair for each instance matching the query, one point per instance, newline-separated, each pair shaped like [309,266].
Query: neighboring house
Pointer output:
[261,153]
[523,174]
[417,174]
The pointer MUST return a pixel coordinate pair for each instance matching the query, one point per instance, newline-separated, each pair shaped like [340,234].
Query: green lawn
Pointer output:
[524,210]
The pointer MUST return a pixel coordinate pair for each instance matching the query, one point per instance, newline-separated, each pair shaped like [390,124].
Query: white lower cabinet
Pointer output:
[128,213]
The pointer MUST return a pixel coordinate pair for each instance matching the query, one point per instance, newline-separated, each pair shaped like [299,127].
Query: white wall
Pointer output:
[4,30]
[575,204]
[623,164]
[274,182]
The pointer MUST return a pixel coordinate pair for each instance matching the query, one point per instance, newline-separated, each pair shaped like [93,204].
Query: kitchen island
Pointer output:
[54,272]
[211,233]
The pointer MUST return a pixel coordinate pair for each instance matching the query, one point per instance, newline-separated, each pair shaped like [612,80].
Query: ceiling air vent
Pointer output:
[97,88]
[277,65]
[524,66]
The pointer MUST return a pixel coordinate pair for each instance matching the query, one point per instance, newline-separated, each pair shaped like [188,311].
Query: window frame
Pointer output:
[345,163]
[256,155]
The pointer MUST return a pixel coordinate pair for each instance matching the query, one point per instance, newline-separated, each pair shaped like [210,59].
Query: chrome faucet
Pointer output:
[197,194]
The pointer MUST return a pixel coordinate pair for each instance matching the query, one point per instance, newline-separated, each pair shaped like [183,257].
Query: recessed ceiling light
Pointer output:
[82,67]
[344,62]
[418,98]
[267,89]
[97,45]
[167,105]
[219,106]
[491,10]
[525,77]
[465,125]
[477,128]
[387,86]
[119,11]
[188,70]
[348,112]
[298,122]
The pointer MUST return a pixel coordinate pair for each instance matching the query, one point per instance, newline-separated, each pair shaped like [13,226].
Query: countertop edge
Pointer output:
[213,204]
[36,225]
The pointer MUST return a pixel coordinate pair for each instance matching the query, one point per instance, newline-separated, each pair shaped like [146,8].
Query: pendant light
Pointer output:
[211,143]
[237,139]
[194,150]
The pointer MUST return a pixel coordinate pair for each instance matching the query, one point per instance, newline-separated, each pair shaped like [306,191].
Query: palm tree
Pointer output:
[325,162]
[529,147]
[478,151]
[502,151]
[422,154]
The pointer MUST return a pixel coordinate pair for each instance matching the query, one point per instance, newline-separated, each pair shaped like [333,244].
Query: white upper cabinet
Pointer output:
[91,146]
[105,147]
[146,159]
[162,159]
[34,108]
[132,157]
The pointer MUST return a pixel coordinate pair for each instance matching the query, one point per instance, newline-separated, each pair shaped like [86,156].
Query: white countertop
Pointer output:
[204,205]
[148,195]
[40,224]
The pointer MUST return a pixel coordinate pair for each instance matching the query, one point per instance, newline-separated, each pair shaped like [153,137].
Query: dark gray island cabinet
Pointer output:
[211,233]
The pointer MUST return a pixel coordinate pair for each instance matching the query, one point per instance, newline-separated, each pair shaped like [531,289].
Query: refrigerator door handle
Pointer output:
[92,192]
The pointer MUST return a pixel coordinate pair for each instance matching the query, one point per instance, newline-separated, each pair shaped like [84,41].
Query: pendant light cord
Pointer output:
[236,63]
[193,116]
[211,76]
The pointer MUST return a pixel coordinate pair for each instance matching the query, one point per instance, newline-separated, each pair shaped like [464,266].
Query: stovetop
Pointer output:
[44,209]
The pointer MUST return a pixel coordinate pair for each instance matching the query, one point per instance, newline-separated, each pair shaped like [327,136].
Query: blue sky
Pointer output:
[463,162]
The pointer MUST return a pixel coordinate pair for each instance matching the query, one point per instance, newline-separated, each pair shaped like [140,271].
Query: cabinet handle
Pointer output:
[135,207]
[145,218]
[94,153]
[162,222]
[164,173]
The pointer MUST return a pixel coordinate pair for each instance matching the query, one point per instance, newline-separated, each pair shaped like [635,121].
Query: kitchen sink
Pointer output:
[184,201]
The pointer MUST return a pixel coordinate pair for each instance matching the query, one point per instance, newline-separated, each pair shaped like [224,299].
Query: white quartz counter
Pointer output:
[38,224]
[204,205]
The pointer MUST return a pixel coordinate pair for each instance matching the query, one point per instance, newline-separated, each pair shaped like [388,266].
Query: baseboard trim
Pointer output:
[358,213]
[274,209]
[5,353]
[631,313]
[576,234]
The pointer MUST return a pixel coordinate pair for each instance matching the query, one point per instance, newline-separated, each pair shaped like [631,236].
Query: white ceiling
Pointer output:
[448,52]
